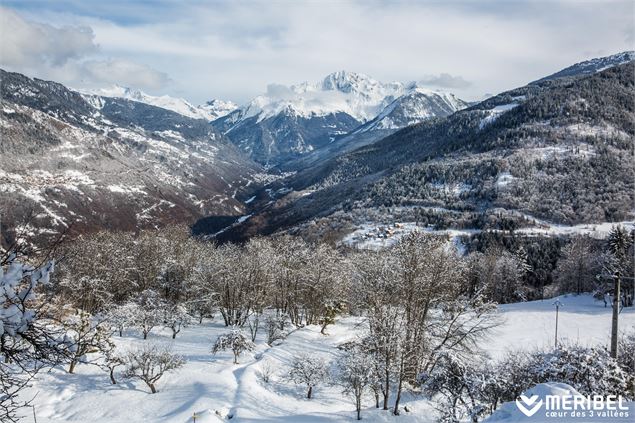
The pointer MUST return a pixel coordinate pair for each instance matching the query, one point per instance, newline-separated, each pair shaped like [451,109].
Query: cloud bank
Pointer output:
[67,54]
[233,50]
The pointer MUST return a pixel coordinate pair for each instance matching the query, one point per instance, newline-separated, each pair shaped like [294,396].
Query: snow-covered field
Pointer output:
[375,236]
[214,388]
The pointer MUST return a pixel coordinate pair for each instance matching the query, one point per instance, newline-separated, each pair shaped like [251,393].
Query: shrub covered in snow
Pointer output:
[590,370]
[308,371]
[234,340]
[274,326]
[150,309]
[464,386]
[150,362]
[123,316]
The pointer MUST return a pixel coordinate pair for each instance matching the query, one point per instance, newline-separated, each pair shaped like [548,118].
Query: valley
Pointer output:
[347,247]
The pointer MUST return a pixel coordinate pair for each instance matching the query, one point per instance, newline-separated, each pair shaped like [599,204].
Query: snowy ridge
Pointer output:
[414,106]
[594,65]
[355,94]
[211,110]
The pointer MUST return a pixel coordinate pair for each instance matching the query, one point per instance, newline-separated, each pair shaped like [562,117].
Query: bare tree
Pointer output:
[112,360]
[150,362]
[175,318]
[356,373]
[576,269]
[234,340]
[84,334]
[149,312]
[308,371]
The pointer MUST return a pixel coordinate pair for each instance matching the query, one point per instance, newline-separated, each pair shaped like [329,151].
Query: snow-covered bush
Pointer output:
[308,371]
[626,358]
[591,370]
[234,340]
[84,334]
[626,352]
[461,384]
[274,325]
[150,309]
[123,316]
[149,362]
[24,342]
[266,371]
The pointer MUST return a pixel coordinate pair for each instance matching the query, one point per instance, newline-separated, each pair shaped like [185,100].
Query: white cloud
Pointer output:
[67,54]
[103,72]
[445,80]
[26,43]
[233,50]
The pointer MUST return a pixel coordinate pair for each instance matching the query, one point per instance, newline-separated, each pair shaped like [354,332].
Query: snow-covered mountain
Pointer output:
[215,109]
[544,152]
[593,65]
[288,121]
[71,160]
[414,106]
[209,111]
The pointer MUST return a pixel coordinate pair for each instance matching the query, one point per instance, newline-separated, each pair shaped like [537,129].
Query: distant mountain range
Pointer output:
[289,122]
[319,158]
[209,111]
[559,150]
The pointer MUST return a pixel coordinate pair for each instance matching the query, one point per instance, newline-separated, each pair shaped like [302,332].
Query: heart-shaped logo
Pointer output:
[528,406]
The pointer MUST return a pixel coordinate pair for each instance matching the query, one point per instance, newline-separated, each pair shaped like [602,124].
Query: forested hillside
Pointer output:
[559,150]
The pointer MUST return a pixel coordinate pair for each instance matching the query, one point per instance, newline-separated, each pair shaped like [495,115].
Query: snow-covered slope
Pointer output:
[592,66]
[298,119]
[414,106]
[213,388]
[71,160]
[209,111]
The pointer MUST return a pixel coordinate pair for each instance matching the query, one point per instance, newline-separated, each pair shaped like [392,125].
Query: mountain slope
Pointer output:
[560,150]
[289,122]
[592,66]
[71,161]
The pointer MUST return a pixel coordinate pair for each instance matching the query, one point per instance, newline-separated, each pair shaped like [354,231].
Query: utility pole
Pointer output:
[616,312]
[619,243]
[558,304]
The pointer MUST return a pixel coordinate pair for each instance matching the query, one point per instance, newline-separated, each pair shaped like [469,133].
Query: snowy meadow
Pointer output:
[163,327]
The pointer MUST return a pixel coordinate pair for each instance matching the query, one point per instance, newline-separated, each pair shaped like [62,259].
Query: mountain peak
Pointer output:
[347,82]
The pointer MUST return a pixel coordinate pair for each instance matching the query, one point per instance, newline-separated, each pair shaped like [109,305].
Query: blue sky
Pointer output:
[232,50]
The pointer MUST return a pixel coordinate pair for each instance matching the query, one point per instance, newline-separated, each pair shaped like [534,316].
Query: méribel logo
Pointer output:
[528,405]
